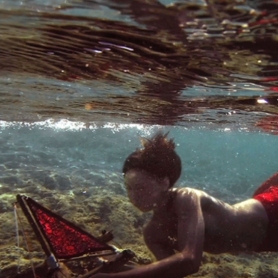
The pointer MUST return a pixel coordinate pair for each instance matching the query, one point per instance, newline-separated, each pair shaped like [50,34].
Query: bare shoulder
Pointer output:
[186,200]
[188,192]
[189,199]
[187,195]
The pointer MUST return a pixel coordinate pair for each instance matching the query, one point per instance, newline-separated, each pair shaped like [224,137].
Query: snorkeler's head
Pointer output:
[158,157]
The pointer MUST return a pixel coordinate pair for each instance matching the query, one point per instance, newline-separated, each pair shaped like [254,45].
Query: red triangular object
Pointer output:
[64,239]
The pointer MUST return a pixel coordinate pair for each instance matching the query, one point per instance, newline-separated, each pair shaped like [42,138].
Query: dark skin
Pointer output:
[187,222]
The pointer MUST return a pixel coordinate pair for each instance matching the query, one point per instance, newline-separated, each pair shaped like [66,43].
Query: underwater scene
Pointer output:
[76,171]
[83,82]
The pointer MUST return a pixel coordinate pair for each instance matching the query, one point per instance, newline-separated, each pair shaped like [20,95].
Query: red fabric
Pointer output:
[65,239]
[269,199]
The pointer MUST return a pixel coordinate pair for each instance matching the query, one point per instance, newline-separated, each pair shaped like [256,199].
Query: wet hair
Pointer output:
[158,157]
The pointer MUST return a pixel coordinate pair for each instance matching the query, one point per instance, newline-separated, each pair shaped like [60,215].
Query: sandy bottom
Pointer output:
[97,208]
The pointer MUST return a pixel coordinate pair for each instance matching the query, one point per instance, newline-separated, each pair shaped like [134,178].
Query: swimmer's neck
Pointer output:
[165,203]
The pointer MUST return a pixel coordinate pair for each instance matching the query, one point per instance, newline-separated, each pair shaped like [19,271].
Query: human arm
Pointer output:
[190,238]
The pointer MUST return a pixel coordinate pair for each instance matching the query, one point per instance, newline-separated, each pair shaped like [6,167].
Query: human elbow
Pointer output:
[195,265]
[190,264]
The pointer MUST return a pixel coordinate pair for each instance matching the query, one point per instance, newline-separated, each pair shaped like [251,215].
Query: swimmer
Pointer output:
[185,221]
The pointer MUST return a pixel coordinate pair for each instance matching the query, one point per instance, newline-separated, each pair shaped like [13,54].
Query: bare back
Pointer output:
[233,228]
[228,228]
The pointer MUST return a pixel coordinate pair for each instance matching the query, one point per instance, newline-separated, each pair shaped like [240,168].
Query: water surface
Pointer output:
[154,62]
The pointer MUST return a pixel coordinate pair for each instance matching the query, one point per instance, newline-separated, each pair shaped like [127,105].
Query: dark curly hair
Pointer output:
[158,157]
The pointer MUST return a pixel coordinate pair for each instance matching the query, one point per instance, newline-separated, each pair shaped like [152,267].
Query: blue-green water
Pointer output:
[76,171]
[228,164]
[82,81]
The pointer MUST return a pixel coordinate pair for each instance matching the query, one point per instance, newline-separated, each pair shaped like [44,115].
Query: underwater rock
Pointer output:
[94,208]
[52,180]
[250,265]
[12,180]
